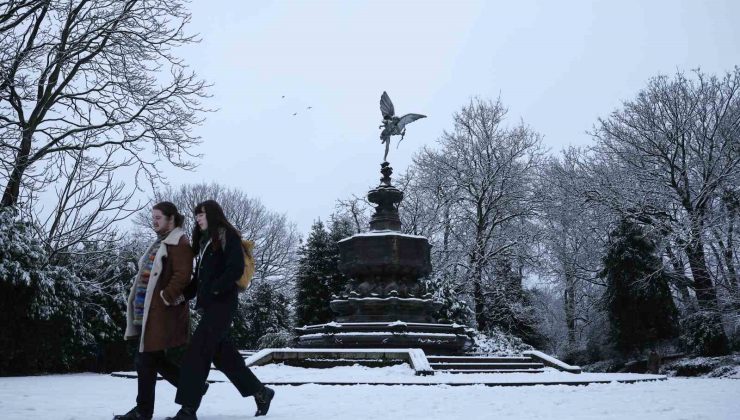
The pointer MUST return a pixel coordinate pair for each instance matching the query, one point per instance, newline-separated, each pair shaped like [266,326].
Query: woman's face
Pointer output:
[200,218]
[162,223]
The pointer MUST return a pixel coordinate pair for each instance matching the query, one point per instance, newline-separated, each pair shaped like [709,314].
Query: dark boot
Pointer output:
[263,398]
[133,414]
[185,413]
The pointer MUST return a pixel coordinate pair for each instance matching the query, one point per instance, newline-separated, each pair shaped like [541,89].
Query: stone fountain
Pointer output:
[384,304]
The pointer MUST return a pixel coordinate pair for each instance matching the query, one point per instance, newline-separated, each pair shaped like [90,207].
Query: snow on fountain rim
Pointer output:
[384,232]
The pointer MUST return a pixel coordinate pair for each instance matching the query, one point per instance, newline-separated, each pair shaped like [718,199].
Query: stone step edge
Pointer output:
[522,358]
[490,371]
[485,363]
[472,383]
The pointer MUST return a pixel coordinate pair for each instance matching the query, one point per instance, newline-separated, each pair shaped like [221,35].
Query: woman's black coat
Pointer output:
[220,268]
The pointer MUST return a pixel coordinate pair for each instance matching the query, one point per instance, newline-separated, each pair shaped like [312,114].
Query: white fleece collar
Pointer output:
[173,238]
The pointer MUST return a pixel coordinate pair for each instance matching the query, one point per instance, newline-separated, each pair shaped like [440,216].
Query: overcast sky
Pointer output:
[557,65]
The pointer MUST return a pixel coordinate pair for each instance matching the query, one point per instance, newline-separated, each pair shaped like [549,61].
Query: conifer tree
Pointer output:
[341,228]
[318,272]
[314,278]
[638,300]
[454,307]
[263,310]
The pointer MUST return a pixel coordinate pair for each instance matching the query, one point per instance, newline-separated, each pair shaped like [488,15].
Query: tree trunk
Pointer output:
[681,282]
[477,266]
[569,300]
[447,231]
[476,263]
[480,316]
[732,203]
[706,294]
[13,187]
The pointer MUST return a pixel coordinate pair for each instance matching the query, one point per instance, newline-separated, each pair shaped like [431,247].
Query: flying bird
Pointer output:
[295,113]
[391,124]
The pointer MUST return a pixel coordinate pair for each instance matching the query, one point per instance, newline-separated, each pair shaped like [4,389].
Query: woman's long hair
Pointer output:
[169,210]
[216,221]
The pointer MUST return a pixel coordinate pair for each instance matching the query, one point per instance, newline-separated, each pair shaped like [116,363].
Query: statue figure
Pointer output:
[393,125]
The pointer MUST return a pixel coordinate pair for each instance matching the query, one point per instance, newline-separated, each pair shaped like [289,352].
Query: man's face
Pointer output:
[160,222]
[200,218]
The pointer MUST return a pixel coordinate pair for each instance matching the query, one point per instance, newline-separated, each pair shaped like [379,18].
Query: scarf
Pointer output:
[142,281]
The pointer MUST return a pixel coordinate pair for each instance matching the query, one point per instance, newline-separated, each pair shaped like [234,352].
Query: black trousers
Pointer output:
[211,343]
[148,364]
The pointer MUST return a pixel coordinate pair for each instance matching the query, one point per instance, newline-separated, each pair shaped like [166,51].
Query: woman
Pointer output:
[219,265]
[155,315]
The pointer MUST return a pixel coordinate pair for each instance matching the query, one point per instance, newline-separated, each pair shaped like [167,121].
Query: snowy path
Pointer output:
[94,396]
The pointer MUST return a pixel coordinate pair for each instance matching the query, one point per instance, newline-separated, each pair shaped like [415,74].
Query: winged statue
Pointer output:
[393,125]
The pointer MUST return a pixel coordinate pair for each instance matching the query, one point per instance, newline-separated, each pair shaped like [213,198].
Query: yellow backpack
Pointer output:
[246,277]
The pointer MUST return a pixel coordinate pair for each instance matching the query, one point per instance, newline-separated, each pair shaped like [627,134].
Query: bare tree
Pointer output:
[574,233]
[90,202]
[356,209]
[85,75]
[677,146]
[489,172]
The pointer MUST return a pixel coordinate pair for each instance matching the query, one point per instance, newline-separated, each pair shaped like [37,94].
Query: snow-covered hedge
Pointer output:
[263,318]
[701,334]
[495,342]
[53,320]
[710,367]
[36,299]
[275,340]
[454,309]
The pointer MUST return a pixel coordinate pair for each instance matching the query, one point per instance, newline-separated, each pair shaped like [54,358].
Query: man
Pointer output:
[155,315]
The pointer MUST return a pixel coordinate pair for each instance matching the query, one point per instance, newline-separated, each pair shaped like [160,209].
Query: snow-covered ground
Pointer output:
[96,396]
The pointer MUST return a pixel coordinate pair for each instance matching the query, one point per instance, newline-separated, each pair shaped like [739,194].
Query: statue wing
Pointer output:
[409,118]
[386,106]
